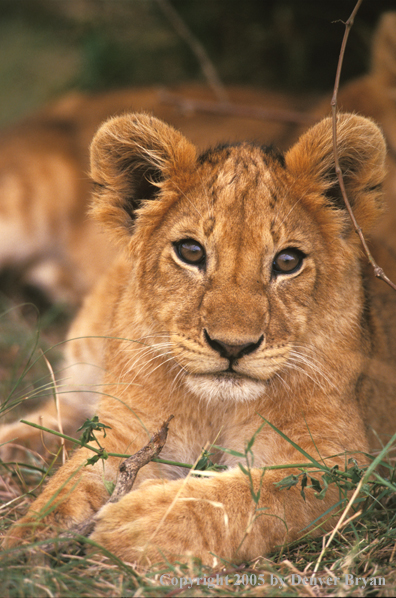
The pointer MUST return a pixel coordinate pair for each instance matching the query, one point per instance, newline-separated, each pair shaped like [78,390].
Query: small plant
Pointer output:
[88,428]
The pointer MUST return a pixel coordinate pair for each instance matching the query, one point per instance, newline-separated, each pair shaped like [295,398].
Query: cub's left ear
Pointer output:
[361,153]
[131,157]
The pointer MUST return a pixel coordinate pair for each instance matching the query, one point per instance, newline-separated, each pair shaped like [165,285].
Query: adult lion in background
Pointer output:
[240,294]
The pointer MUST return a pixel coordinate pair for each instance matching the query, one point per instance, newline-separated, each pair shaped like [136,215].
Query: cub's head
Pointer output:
[244,263]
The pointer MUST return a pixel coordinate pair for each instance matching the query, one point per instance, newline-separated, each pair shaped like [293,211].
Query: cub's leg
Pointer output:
[208,518]
[77,490]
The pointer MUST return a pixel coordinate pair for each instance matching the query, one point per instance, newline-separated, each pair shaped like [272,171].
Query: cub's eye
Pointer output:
[191,252]
[288,261]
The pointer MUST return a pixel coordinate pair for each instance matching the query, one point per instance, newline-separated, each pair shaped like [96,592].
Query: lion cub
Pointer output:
[239,298]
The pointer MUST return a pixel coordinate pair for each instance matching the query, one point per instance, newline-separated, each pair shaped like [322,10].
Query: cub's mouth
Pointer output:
[226,385]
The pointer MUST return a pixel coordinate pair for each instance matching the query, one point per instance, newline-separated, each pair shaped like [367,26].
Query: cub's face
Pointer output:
[245,264]
[231,272]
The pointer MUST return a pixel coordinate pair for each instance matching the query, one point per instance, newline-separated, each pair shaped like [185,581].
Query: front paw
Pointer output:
[29,529]
[168,520]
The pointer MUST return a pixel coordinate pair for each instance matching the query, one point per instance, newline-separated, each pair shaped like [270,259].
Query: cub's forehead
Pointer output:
[245,178]
[238,191]
[235,171]
[239,195]
[240,151]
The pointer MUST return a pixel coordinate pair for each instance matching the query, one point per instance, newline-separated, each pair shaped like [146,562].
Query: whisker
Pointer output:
[318,369]
[294,367]
[189,201]
[210,204]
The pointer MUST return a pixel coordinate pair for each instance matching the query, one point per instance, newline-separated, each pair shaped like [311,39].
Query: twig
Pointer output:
[198,49]
[378,272]
[361,483]
[237,110]
[130,467]
[128,472]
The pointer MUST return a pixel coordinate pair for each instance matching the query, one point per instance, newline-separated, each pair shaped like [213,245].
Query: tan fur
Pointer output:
[45,188]
[314,336]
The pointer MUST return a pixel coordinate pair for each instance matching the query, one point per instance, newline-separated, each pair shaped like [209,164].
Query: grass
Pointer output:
[363,546]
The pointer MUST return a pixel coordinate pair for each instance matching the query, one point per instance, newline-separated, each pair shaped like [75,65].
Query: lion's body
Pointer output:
[230,337]
[225,342]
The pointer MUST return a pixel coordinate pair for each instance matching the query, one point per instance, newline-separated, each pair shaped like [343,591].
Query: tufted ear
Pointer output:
[131,156]
[361,153]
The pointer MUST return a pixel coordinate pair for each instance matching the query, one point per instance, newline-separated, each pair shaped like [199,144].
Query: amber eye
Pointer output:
[191,252]
[288,261]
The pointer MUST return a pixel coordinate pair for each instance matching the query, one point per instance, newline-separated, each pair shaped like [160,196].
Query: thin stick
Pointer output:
[362,481]
[339,523]
[128,472]
[197,48]
[378,272]
[130,467]
[237,110]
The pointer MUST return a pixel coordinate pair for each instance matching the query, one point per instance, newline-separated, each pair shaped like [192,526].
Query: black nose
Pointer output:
[232,352]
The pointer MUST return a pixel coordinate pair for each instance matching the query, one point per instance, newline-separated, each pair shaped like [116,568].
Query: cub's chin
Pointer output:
[224,387]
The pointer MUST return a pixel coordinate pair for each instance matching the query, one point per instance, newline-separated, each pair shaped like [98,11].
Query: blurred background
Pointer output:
[49,47]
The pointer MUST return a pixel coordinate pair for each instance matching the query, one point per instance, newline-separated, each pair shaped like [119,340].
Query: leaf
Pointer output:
[206,464]
[95,458]
[243,469]
[253,438]
[298,448]
[316,485]
[92,460]
[229,451]
[109,485]
[355,472]
[287,482]
[320,495]
[89,426]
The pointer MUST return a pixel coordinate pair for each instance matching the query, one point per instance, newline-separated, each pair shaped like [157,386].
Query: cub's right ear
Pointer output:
[131,157]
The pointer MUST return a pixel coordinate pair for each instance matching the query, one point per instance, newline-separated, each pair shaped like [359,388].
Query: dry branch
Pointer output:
[197,48]
[128,472]
[378,272]
[130,467]
[189,105]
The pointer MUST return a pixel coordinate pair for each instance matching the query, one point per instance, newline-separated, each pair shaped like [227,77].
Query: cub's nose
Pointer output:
[235,351]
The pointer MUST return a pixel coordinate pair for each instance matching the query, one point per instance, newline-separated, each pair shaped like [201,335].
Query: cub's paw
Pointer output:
[26,530]
[166,520]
